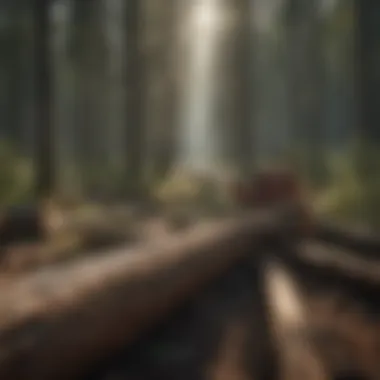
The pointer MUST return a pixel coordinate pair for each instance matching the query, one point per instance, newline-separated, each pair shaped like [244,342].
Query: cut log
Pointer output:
[56,323]
[298,357]
[315,261]
[361,239]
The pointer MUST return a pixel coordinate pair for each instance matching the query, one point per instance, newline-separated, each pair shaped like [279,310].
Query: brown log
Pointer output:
[365,241]
[54,324]
[329,264]
[298,357]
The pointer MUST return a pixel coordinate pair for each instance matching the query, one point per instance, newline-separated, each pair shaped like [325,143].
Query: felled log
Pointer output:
[345,297]
[364,241]
[56,323]
[288,316]
[328,264]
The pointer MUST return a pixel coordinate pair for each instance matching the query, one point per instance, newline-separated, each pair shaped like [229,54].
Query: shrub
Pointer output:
[353,192]
[16,176]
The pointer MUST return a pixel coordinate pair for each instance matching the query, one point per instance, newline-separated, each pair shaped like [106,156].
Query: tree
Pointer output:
[89,56]
[306,82]
[135,70]
[45,159]
[367,75]
[367,67]
[241,128]
[160,43]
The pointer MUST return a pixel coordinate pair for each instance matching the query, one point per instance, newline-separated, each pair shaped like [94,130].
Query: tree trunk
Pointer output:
[16,77]
[160,48]
[135,68]
[241,125]
[233,95]
[305,86]
[367,82]
[89,53]
[367,69]
[45,160]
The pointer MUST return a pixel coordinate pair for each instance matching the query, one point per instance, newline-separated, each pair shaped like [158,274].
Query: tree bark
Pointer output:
[98,307]
[242,127]
[45,160]
[135,69]
[305,86]
[160,90]
[367,67]
[367,84]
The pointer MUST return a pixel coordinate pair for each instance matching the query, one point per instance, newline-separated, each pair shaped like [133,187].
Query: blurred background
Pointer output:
[109,101]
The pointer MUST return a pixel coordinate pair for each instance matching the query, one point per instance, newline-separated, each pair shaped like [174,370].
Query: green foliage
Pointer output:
[16,176]
[343,185]
[353,193]
[192,193]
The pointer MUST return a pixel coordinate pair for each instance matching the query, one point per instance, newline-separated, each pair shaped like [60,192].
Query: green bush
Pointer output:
[353,191]
[343,185]
[191,193]
[16,176]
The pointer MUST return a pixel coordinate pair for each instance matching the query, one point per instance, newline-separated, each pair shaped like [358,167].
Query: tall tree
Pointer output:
[368,67]
[367,73]
[160,38]
[89,55]
[135,69]
[241,128]
[116,89]
[45,168]
[306,79]
[68,178]
[13,42]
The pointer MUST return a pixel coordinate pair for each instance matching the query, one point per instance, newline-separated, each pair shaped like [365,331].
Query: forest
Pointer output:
[189,189]
[166,101]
